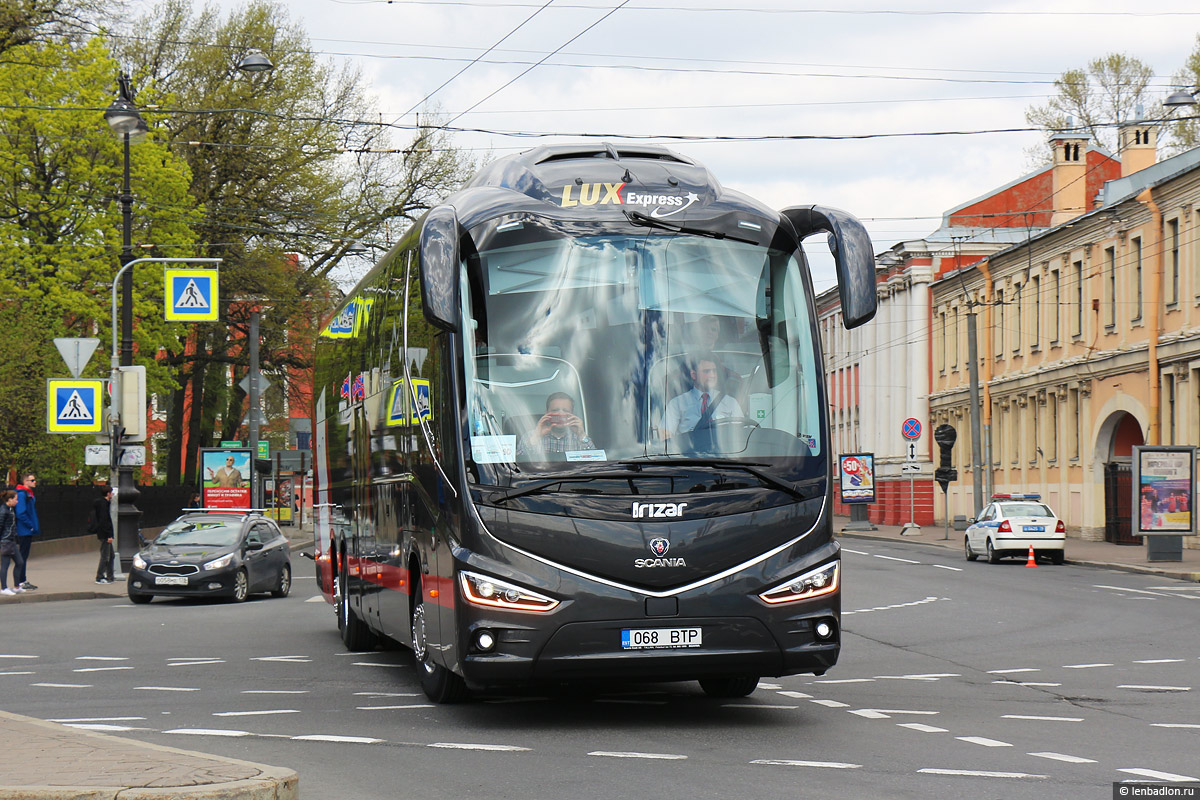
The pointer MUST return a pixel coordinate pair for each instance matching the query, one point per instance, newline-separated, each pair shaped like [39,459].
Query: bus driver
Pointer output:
[703,403]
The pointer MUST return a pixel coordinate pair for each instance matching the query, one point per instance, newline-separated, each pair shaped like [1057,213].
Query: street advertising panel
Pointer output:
[1164,488]
[280,505]
[226,478]
[856,477]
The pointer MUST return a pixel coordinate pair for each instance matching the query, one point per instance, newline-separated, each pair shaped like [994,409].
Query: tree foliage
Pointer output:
[1111,90]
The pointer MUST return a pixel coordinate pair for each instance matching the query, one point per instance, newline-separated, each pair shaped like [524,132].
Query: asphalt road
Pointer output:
[956,679]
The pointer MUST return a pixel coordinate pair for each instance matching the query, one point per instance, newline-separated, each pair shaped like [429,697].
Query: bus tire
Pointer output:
[355,634]
[439,684]
[739,686]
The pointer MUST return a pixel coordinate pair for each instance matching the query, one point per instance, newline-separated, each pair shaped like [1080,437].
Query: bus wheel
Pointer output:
[729,687]
[440,684]
[355,633]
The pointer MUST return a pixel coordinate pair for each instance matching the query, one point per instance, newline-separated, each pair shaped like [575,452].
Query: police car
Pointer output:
[1010,525]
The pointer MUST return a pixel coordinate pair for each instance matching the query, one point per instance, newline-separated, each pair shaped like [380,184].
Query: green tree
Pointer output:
[60,228]
[1185,133]
[1109,91]
[289,171]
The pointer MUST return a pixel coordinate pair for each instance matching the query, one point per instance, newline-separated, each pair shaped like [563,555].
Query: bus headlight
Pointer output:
[814,583]
[483,590]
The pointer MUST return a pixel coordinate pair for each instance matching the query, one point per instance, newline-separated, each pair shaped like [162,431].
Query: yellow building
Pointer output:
[1088,338]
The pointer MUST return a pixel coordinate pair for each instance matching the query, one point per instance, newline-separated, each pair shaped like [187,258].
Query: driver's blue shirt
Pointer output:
[683,412]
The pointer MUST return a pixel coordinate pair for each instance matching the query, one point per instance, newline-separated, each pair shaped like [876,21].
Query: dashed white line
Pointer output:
[1028,683]
[166,688]
[918,726]
[101,658]
[208,732]
[758,705]
[395,708]
[1174,725]
[102,726]
[99,669]
[830,703]
[1128,589]
[979,773]
[1064,757]
[1159,661]
[22,672]
[849,680]
[901,560]
[275,691]
[1012,671]
[322,737]
[387,694]
[256,713]
[14,655]
[317,599]
[776,762]
[1160,776]
[371,664]
[96,719]
[1084,666]
[1041,719]
[1144,688]
[983,741]
[930,676]
[191,663]
[947,566]
[660,756]
[893,606]
[796,695]
[63,685]
[285,659]
[856,552]
[494,748]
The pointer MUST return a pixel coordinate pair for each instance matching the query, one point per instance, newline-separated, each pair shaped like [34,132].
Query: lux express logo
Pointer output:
[614,194]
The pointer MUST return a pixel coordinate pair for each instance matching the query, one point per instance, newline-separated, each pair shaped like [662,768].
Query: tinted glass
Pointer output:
[214,533]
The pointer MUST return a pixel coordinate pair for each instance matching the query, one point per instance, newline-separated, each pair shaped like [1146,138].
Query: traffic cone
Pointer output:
[1032,562]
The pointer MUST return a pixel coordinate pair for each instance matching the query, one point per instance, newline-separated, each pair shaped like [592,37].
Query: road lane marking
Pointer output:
[22,672]
[923,728]
[371,664]
[1064,757]
[1041,719]
[947,566]
[659,756]
[979,773]
[495,748]
[1084,666]
[1160,776]
[97,719]
[395,708]
[1128,589]
[317,599]
[856,552]
[256,713]
[102,726]
[776,762]
[885,713]
[285,659]
[901,560]
[849,680]
[324,737]
[1144,688]
[830,703]
[207,732]
[1159,661]
[275,691]
[867,713]
[63,685]
[796,695]
[101,658]
[895,606]
[387,694]
[191,663]
[99,669]
[983,741]
[166,688]
[757,705]
[1011,671]
[930,676]
[1174,725]
[13,655]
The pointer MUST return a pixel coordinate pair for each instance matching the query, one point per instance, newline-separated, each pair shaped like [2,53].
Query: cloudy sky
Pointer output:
[857,75]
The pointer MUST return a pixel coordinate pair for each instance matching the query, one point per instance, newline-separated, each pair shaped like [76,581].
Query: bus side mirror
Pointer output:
[852,256]
[439,267]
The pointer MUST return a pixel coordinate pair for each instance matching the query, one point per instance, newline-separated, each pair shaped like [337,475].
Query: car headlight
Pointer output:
[483,590]
[138,561]
[220,563]
[817,582]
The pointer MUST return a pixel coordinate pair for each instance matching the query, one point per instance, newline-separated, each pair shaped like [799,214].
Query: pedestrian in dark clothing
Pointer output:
[9,550]
[101,525]
[27,528]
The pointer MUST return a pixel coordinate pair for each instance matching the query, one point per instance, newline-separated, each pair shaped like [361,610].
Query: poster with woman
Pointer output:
[856,473]
[226,478]
[1164,486]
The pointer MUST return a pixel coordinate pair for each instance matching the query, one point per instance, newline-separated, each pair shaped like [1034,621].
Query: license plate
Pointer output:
[1035,529]
[170,580]
[659,638]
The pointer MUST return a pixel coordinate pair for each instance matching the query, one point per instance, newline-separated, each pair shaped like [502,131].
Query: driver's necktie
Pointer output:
[704,404]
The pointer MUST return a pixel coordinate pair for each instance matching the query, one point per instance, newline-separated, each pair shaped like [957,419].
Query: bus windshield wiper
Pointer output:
[647,221]
[752,467]
[554,480]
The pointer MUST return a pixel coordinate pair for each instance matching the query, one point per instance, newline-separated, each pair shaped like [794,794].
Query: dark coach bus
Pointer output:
[573,427]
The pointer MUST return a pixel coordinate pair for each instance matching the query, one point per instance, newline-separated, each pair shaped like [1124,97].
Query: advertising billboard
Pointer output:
[226,476]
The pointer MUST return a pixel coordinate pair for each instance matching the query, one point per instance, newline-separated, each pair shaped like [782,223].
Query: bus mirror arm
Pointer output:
[439,268]
[853,257]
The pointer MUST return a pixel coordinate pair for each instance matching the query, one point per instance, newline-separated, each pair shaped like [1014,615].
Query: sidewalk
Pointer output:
[73,577]
[1127,558]
[45,761]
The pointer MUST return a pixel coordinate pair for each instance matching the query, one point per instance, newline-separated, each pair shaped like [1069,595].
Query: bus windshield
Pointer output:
[611,343]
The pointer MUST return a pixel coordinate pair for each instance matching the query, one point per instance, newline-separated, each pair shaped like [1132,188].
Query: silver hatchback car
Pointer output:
[1010,525]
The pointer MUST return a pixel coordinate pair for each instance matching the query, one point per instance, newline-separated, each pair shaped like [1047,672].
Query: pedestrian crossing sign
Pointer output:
[74,405]
[191,295]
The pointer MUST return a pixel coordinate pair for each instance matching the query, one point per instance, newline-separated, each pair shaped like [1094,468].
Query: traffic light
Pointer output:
[945,436]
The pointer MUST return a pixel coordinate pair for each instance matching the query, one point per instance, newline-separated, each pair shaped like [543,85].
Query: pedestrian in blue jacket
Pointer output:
[27,528]
[9,552]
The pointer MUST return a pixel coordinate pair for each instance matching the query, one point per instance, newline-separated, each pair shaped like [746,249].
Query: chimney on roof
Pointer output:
[1069,175]
[1138,145]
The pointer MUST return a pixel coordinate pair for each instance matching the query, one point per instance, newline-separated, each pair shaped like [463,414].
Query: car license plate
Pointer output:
[170,580]
[658,638]
[1035,529]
